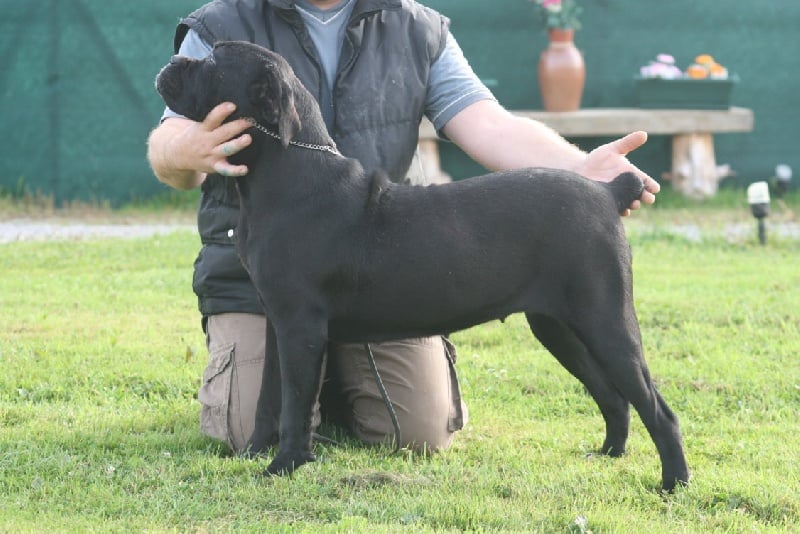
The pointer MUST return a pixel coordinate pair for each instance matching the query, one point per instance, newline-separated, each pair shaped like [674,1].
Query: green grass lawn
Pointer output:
[102,353]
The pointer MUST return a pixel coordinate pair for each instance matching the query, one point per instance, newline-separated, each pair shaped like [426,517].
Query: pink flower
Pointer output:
[552,5]
[659,69]
[562,14]
[666,59]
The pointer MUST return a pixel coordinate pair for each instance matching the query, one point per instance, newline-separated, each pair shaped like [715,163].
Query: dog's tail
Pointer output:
[625,188]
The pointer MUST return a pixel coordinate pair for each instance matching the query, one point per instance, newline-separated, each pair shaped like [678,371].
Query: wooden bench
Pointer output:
[694,167]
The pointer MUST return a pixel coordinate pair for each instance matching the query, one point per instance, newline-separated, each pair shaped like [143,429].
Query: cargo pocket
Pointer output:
[215,394]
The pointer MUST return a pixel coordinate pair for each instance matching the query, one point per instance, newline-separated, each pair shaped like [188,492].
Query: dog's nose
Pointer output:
[180,61]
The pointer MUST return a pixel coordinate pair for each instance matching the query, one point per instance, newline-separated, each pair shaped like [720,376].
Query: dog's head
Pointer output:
[258,81]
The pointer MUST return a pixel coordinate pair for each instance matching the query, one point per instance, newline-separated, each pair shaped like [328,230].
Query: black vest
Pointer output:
[378,96]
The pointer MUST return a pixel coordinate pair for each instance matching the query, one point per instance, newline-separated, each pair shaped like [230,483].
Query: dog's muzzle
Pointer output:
[169,81]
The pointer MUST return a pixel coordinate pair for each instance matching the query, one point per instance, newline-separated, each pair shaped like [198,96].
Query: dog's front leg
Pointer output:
[268,409]
[301,352]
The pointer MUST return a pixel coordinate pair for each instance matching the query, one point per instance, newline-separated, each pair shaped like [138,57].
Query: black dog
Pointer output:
[338,254]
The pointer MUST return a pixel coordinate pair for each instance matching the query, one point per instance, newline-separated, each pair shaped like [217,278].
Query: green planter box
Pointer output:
[658,93]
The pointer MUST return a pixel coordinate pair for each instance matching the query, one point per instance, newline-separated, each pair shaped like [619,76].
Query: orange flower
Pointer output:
[697,71]
[704,59]
[717,71]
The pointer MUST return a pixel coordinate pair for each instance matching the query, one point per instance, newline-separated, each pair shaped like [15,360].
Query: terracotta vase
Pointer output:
[562,73]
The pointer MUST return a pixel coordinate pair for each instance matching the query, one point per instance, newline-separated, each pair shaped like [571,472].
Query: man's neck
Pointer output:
[324,4]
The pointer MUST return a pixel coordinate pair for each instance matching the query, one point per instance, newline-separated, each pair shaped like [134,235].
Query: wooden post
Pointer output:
[694,167]
[426,167]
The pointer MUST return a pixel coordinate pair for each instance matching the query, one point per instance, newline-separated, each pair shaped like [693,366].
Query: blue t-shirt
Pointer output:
[452,86]
[326,28]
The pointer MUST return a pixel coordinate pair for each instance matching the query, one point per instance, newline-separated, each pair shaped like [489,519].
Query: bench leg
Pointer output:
[426,167]
[694,167]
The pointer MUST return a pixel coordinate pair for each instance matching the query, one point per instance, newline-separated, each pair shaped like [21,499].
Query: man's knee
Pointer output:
[232,379]
[420,383]
[428,430]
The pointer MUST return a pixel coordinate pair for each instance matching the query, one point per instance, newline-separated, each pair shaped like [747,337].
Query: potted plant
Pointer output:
[705,84]
[560,14]
[562,72]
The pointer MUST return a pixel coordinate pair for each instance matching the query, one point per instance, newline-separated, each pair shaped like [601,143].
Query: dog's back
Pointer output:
[427,246]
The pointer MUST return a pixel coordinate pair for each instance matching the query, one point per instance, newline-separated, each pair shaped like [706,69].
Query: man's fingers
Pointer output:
[629,143]
[651,187]
[215,122]
[226,169]
[217,116]
[232,129]
[229,148]
[648,195]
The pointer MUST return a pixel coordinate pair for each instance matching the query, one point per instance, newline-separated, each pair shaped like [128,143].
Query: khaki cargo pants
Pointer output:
[418,375]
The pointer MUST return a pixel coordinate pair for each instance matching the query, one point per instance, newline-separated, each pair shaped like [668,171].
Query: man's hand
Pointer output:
[206,146]
[606,162]
[182,152]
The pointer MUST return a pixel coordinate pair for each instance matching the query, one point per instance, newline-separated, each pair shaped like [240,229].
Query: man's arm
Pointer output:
[161,159]
[499,140]
[461,107]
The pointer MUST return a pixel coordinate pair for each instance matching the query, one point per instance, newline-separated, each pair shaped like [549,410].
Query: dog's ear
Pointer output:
[275,101]
[289,121]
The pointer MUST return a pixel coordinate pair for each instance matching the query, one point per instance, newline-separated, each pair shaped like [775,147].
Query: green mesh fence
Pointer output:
[77,99]
[77,95]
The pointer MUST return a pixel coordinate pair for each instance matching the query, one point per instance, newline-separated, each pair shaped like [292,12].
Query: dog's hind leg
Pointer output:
[570,351]
[613,339]
[268,409]
[301,349]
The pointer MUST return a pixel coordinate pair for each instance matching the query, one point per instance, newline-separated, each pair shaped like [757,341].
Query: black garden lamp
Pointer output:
[783,177]
[758,198]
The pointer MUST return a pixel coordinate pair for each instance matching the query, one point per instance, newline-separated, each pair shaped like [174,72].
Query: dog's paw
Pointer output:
[286,463]
[259,443]
[668,486]
[614,451]
[251,454]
